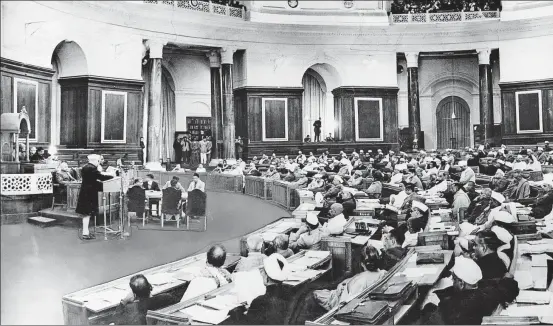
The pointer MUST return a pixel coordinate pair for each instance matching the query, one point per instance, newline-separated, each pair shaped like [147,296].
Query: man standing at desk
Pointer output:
[196,183]
[87,203]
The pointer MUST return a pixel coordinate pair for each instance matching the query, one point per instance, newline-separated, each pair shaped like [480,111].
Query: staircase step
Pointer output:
[42,221]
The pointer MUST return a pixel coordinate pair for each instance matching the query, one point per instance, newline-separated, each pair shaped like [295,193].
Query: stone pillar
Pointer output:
[486,95]
[413,95]
[216,113]
[153,144]
[228,103]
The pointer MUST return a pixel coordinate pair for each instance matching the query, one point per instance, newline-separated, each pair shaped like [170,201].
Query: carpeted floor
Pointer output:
[39,265]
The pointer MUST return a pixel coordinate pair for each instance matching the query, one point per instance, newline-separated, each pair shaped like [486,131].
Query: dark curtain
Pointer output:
[168,118]
[313,103]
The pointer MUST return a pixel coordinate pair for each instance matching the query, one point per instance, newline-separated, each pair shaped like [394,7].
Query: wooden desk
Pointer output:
[173,315]
[112,199]
[397,310]
[284,225]
[81,307]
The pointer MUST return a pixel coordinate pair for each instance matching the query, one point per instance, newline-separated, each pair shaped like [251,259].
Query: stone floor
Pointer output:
[40,265]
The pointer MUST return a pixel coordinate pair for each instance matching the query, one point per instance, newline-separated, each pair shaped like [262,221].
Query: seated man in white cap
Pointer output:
[519,188]
[544,203]
[337,221]
[255,257]
[467,173]
[393,251]
[519,163]
[481,204]
[87,203]
[486,246]
[308,236]
[272,173]
[317,184]
[271,308]
[300,182]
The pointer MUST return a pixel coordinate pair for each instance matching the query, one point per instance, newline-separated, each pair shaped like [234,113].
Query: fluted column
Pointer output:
[413,95]
[486,95]
[153,148]
[216,113]
[228,103]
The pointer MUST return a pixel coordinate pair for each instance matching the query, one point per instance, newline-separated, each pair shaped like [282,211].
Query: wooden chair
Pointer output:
[171,204]
[196,207]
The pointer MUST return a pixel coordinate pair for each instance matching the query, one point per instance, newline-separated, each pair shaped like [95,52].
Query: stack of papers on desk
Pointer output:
[160,278]
[535,297]
[100,300]
[205,315]
[515,310]
[536,247]
[300,276]
[317,254]
[418,272]
[223,302]
[186,274]
[360,240]
[524,279]
[283,227]
[540,260]
[441,227]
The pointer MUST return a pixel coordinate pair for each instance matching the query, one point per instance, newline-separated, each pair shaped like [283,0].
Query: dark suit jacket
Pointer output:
[154,186]
[88,195]
[135,313]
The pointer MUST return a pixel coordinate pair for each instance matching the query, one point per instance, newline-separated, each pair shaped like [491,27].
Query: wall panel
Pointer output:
[509,111]
[9,71]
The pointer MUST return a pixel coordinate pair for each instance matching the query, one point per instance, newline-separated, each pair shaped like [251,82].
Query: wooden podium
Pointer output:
[110,186]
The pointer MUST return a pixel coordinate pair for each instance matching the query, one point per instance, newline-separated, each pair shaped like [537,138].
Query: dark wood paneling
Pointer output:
[547,97]
[509,113]
[135,114]
[7,94]
[10,70]
[73,116]
[90,116]
[248,105]
[94,115]
[508,109]
[344,111]
[44,109]
[295,118]
[254,118]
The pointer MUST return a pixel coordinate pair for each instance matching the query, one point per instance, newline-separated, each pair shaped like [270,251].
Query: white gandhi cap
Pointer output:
[272,265]
[467,270]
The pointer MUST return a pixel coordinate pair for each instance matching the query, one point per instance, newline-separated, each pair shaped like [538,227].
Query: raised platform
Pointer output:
[62,216]
[42,221]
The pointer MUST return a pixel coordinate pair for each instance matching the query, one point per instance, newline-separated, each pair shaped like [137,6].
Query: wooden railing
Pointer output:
[225,182]
[258,187]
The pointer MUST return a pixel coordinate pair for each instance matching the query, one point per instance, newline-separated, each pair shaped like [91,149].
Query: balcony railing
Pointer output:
[204,6]
[443,17]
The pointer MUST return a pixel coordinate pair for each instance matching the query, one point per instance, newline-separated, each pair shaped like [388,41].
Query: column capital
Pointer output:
[484,56]
[156,48]
[214,60]
[226,55]
[412,59]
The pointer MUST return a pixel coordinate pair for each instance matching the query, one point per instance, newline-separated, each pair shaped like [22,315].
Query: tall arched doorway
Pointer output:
[314,101]
[318,102]
[453,123]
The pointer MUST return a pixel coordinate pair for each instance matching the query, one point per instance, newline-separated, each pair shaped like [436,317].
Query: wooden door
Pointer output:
[453,123]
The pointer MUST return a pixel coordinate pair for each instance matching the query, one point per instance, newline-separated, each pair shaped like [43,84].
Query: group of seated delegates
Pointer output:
[433,6]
